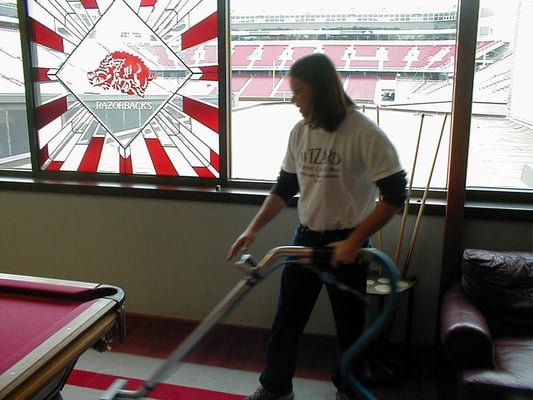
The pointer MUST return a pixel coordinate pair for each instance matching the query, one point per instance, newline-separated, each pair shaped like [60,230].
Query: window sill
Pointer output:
[492,210]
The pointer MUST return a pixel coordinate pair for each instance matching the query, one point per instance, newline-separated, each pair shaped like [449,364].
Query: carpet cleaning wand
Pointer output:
[317,259]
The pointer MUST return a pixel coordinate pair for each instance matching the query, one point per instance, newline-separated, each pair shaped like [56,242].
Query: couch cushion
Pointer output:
[511,377]
[501,285]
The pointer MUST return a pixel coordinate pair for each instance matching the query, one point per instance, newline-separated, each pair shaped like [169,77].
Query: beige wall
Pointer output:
[169,255]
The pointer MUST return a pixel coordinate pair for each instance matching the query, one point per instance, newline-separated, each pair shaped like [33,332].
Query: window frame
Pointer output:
[224,99]
[482,203]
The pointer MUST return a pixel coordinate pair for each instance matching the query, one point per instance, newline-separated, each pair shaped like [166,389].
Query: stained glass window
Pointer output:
[126,86]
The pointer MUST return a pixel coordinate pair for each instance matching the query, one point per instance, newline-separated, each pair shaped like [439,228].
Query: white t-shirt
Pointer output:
[337,170]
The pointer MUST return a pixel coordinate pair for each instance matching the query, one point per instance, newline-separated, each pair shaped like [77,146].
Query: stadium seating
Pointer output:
[359,62]
[360,86]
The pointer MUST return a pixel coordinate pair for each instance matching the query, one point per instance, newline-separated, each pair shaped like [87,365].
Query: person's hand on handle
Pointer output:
[271,207]
[241,244]
[344,252]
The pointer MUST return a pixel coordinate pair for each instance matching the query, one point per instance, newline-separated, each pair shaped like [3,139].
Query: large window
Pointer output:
[124,87]
[141,89]
[397,60]
[501,138]
[14,138]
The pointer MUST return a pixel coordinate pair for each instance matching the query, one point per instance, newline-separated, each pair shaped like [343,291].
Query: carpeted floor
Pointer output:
[95,372]
[164,391]
[227,363]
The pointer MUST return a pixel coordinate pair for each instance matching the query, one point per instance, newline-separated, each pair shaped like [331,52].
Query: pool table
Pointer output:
[46,324]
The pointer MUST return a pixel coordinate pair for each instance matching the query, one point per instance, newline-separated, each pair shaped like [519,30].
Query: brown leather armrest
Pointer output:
[464,331]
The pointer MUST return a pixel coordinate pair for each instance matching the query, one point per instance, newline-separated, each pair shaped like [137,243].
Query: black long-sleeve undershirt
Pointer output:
[392,188]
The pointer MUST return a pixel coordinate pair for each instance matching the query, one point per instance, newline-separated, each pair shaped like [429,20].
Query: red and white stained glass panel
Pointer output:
[126,86]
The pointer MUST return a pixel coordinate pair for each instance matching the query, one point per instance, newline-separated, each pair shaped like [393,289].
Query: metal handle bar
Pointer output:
[255,272]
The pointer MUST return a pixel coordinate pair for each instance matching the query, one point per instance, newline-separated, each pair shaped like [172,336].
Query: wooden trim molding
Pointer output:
[459,140]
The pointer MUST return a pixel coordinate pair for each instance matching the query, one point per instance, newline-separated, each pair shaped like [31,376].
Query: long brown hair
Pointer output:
[330,101]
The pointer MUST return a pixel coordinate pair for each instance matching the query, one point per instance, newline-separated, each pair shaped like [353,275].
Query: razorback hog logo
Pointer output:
[123,72]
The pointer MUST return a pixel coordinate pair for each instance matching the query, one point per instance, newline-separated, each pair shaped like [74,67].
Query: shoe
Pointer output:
[344,396]
[263,394]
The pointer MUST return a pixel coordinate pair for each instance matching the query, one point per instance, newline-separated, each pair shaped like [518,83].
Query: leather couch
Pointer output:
[486,326]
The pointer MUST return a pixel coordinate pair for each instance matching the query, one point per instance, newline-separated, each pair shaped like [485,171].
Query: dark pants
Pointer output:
[299,291]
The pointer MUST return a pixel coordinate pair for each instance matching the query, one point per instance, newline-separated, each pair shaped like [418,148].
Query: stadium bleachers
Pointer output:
[161,53]
[299,51]
[283,89]
[364,57]
[259,86]
[240,55]
[270,56]
[431,56]
[397,57]
[238,82]
[386,56]
[11,75]
[360,86]
[361,65]
[254,63]
[493,81]
[337,53]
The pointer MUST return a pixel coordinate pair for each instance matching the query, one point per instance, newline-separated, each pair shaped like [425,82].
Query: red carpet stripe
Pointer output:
[163,391]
